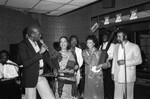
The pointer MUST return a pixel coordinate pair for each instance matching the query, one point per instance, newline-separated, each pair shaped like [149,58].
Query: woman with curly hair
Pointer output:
[94,88]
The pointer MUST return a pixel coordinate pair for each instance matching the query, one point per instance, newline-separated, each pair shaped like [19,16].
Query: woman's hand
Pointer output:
[96,69]
[66,71]
[106,65]
[60,70]
[99,66]
[70,70]
[55,72]
[76,67]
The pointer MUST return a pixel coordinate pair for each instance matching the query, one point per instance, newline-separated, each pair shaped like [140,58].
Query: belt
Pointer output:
[41,68]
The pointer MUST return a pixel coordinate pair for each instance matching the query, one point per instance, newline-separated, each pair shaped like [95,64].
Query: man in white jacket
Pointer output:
[126,56]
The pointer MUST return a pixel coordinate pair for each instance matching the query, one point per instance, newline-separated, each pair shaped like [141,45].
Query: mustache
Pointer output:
[119,41]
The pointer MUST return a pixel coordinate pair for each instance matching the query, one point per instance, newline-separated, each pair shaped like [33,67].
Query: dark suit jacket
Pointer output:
[30,60]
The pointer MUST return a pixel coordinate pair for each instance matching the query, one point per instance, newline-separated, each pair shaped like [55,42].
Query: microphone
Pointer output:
[94,27]
[41,41]
[122,44]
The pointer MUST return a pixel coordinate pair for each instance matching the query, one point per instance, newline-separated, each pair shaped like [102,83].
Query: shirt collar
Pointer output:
[32,42]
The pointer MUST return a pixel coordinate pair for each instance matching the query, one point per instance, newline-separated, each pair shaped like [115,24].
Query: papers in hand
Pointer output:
[95,70]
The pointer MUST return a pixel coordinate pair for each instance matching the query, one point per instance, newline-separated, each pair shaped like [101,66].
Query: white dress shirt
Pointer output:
[8,70]
[78,52]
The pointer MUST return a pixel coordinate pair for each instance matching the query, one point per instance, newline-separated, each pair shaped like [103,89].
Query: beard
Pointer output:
[119,41]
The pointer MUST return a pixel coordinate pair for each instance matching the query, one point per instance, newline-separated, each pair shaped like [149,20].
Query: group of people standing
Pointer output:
[70,57]
[33,55]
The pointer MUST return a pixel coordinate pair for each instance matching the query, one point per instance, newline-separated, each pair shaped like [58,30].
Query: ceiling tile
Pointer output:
[18,9]
[56,13]
[82,2]
[38,11]
[2,2]
[68,7]
[44,5]
[22,3]
[59,1]
[55,7]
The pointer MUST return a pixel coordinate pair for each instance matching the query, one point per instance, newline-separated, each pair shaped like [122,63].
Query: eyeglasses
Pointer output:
[37,33]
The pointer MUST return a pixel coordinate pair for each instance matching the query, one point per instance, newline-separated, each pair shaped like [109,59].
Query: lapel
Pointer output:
[127,47]
[116,51]
[27,42]
[115,67]
[76,51]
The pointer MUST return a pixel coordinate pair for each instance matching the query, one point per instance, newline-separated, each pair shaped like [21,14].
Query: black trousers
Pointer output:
[10,90]
[108,84]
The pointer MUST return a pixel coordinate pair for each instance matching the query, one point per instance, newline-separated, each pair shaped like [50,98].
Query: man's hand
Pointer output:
[69,71]
[43,49]
[121,62]
[76,67]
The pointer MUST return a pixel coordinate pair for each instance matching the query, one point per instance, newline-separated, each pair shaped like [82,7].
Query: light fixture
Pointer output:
[118,18]
[106,20]
[133,14]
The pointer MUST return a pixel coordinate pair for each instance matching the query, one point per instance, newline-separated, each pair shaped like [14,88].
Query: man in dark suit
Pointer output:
[33,56]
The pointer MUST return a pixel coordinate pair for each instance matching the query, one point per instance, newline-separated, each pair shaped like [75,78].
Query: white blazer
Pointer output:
[133,58]
[78,52]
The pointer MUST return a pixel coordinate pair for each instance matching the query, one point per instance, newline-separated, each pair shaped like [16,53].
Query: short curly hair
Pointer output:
[93,38]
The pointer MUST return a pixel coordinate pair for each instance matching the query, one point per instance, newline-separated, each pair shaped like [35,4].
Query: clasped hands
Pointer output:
[66,70]
[62,71]
[69,70]
[99,67]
